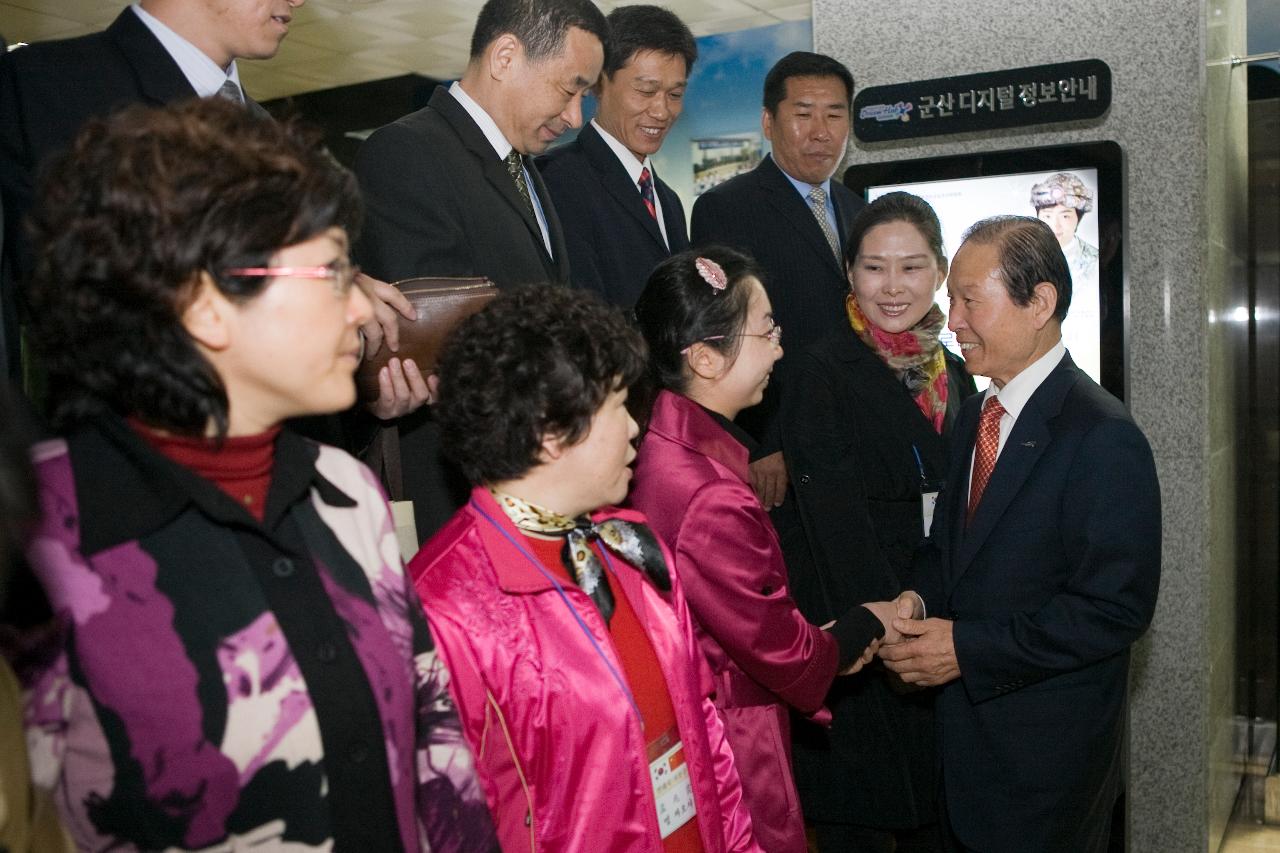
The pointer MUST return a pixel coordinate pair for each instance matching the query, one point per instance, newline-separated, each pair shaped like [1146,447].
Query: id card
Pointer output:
[928,501]
[672,788]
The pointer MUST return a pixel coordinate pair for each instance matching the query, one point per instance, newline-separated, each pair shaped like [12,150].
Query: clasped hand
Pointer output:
[923,653]
[402,388]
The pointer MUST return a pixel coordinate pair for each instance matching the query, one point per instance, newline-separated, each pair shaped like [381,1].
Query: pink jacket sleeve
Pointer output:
[736,582]
[735,817]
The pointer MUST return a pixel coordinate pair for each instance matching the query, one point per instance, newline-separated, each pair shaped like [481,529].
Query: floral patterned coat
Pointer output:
[222,683]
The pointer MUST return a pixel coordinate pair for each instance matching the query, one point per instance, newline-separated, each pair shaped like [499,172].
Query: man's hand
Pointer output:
[384,326]
[769,479]
[927,656]
[402,388]
[910,605]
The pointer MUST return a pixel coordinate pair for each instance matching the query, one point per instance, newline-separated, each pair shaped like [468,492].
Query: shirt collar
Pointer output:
[483,120]
[629,162]
[127,490]
[201,72]
[804,187]
[1018,390]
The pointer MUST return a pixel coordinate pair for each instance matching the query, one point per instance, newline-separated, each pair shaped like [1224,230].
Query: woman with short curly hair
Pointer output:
[243,661]
[576,672]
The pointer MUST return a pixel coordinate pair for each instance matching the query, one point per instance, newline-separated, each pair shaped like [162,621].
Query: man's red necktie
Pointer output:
[984,453]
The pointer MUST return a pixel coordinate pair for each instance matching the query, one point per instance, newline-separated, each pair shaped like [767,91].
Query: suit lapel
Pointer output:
[673,216]
[1026,444]
[783,196]
[558,263]
[495,172]
[617,182]
[158,76]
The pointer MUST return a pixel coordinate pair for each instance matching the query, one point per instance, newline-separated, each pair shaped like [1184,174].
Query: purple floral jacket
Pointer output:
[176,711]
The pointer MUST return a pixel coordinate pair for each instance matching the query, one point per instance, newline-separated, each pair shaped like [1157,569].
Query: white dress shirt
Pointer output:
[1018,390]
[489,128]
[201,72]
[634,167]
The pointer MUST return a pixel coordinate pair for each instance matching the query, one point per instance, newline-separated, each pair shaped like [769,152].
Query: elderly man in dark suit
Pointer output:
[790,215]
[450,189]
[620,218]
[155,52]
[1044,568]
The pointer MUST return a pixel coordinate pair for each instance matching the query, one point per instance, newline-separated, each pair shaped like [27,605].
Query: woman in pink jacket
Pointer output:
[581,688]
[713,344]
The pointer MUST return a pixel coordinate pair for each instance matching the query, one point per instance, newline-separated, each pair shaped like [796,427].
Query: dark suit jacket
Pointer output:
[1048,587]
[762,214]
[439,202]
[48,91]
[613,241]
[848,432]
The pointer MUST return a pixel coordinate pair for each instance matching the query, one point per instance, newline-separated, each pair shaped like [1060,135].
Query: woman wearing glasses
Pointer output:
[712,345]
[243,662]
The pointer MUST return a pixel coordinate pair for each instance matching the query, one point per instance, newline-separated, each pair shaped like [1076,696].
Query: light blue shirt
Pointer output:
[498,140]
[201,72]
[804,188]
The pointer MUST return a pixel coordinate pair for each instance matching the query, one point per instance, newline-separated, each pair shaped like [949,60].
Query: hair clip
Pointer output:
[712,273]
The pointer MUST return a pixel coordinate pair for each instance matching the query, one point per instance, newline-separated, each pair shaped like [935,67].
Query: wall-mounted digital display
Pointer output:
[1075,189]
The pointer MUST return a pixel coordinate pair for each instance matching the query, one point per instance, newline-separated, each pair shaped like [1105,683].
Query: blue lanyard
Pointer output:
[577,617]
[919,464]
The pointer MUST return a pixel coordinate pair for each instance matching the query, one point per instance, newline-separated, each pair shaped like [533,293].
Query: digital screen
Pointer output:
[960,202]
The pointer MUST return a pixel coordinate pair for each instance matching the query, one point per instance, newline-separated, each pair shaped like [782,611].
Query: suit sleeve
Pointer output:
[411,226]
[715,221]
[736,584]
[1111,535]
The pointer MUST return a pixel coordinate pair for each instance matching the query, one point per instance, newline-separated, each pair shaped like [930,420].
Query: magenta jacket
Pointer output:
[559,749]
[692,482]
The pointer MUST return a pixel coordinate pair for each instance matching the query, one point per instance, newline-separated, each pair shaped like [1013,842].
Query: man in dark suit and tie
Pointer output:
[1043,568]
[792,217]
[620,219]
[450,190]
[155,52]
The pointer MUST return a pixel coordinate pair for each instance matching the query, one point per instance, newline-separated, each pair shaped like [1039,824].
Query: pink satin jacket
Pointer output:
[559,749]
[692,482]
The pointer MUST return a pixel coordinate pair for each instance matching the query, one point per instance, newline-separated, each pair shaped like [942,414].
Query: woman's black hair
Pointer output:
[679,308]
[131,215]
[897,207]
[538,361]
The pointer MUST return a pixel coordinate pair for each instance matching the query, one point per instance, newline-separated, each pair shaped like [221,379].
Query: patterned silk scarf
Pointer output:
[634,542]
[915,356]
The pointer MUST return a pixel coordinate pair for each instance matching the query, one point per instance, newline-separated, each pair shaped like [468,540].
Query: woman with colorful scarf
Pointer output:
[865,424]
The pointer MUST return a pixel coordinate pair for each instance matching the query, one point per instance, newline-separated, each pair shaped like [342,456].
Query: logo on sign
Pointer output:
[901,111]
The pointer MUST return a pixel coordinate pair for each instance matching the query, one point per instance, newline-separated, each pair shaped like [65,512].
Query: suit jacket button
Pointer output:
[282,567]
[804,479]
[326,651]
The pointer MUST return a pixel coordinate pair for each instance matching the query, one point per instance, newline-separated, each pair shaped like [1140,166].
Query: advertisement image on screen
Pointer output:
[960,202]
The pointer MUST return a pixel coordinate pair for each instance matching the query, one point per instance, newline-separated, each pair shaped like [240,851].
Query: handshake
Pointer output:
[919,651]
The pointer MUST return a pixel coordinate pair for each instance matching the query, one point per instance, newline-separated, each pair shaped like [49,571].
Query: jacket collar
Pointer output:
[684,422]
[158,76]
[516,566]
[782,194]
[126,490]
[495,172]
[616,179]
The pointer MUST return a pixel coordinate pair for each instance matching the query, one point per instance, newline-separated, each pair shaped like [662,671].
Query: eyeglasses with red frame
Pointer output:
[341,274]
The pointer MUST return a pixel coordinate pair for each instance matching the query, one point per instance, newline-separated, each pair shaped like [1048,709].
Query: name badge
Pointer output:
[928,501]
[672,788]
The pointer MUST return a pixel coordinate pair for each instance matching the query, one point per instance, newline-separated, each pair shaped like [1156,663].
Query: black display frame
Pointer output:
[1106,156]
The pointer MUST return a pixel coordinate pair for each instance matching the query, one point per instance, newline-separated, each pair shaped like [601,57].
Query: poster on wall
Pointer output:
[716,159]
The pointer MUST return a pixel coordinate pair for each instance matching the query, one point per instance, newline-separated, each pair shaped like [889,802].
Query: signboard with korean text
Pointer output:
[1041,94]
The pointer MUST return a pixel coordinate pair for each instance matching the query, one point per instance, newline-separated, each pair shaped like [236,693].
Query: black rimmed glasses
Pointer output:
[341,275]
